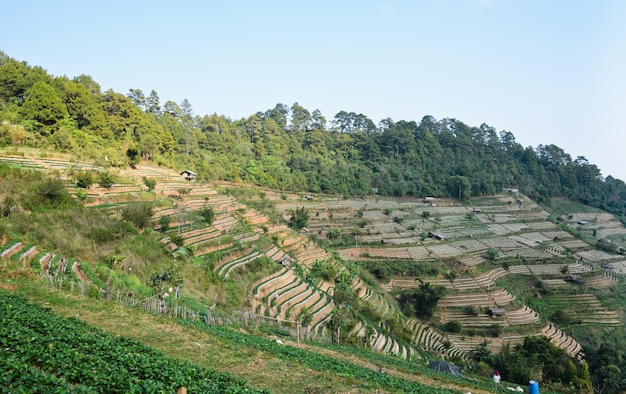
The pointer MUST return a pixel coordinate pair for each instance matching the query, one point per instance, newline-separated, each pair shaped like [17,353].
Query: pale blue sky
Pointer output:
[551,72]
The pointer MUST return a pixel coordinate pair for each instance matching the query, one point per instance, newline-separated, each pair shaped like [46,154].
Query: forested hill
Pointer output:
[289,148]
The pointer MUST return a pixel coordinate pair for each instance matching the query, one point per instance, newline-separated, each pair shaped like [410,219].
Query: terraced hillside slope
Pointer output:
[505,265]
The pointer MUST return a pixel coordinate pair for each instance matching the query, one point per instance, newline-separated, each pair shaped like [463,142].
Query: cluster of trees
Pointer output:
[291,148]
[539,359]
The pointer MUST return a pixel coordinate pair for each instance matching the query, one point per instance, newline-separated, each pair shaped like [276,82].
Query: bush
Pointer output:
[333,234]
[150,183]
[177,240]
[165,222]
[105,180]
[453,326]
[84,179]
[207,214]
[138,213]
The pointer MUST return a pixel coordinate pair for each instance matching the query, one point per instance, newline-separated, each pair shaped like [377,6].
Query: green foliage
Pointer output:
[333,234]
[178,240]
[168,276]
[44,106]
[50,193]
[164,222]
[323,270]
[84,179]
[481,352]
[8,206]
[46,353]
[299,218]
[138,213]
[453,326]
[105,179]
[149,182]
[537,358]
[492,254]
[421,302]
[207,214]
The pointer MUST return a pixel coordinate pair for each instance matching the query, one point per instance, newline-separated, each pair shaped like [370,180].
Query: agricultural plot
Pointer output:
[597,255]
[501,243]
[584,309]
[526,252]
[445,250]
[562,340]
[54,354]
[497,218]
[556,235]
[600,281]
[543,225]
[498,229]
[385,253]
[618,267]
[516,227]
[574,244]
[469,246]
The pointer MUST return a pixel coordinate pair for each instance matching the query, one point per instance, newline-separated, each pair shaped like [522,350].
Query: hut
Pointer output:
[189,175]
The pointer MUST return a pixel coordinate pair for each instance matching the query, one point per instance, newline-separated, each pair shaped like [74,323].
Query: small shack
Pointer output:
[285,261]
[575,279]
[189,175]
[436,235]
[445,367]
[494,312]
[429,200]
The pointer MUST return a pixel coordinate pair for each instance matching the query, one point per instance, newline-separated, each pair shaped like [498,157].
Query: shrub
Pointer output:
[84,179]
[207,214]
[105,179]
[453,326]
[177,240]
[138,213]
[165,222]
[333,234]
[299,218]
[150,183]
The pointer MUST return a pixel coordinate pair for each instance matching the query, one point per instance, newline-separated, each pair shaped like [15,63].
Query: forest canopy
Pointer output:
[290,147]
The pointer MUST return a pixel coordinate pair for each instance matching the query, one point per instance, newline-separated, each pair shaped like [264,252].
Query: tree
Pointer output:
[44,106]
[299,218]
[607,379]
[150,183]
[459,186]
[492,254]
[138,213]
[152,103]
[165,222]
[84,179]
[422,300]
[207,214]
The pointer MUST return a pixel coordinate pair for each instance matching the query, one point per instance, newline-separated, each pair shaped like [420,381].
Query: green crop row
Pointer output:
[43,353]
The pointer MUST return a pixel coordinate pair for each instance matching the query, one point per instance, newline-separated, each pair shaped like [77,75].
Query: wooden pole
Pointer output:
[298,332]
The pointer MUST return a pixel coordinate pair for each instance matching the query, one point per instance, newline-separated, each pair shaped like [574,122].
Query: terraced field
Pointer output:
[516,233]
[492,239]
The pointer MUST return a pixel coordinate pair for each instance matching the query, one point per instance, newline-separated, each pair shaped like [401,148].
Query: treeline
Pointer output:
[289,147]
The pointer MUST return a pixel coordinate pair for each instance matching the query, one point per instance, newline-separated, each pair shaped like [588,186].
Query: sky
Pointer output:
[549,71]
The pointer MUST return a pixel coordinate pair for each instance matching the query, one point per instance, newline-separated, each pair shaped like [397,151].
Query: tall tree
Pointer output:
[44,106]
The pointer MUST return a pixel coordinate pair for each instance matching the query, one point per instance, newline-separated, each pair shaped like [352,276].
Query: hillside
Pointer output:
[339,279]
